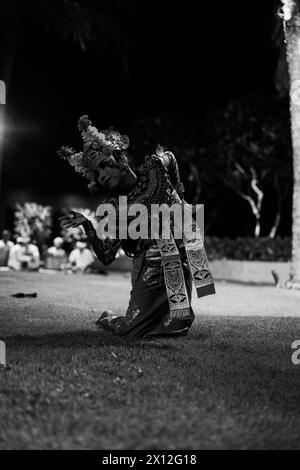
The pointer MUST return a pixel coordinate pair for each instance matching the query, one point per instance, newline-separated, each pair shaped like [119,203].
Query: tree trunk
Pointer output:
[257,225]
[274,228]
[291,18]
[273,231]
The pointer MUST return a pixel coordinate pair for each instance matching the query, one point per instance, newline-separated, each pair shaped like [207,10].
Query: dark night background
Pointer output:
[174,58]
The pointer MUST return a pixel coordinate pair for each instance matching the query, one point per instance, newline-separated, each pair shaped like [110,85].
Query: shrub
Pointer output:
[251,249]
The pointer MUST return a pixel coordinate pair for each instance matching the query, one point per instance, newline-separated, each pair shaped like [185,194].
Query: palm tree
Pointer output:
[81,21]
[291,23]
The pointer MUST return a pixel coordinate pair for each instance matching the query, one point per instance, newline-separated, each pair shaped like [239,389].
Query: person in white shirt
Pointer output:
[56,255]
[24,255]
[6,240]
[80,258]
[56,250]
[5,246]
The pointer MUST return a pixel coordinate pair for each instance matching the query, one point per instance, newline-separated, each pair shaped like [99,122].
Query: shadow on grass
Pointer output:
[88,339]
[225,333]
[252,375]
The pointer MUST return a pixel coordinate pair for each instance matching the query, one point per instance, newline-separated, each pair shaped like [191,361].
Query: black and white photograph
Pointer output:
[149,228]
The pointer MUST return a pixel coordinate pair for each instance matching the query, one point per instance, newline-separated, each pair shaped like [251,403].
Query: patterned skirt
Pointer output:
[148,312]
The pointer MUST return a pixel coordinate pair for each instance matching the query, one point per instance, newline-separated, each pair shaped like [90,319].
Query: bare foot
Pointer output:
[105,314]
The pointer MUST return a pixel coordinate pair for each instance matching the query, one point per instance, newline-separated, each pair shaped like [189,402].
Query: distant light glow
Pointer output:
[9,126]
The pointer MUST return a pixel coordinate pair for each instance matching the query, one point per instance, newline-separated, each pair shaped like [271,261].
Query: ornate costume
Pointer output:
[163,269]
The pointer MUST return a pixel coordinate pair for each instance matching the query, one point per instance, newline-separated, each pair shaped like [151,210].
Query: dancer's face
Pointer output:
[110,178]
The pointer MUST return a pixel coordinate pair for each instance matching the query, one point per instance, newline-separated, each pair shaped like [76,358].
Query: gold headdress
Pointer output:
[100,148]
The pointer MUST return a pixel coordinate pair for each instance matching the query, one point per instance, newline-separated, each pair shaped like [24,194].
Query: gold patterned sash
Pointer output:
[173,273]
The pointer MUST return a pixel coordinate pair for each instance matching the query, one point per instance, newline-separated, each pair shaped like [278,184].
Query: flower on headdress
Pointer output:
[65,152]
[160,151]
[84,123]
[76,161]
[116,140]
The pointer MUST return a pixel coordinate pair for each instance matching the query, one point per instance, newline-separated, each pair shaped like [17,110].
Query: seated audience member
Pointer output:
[57,250]
[24,255]
[80,258]
[56,255]
[5,245]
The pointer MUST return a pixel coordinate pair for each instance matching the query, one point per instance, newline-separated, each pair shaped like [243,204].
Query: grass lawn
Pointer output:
[229,384]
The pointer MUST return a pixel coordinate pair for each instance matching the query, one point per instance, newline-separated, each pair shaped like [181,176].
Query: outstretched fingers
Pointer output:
[67,222]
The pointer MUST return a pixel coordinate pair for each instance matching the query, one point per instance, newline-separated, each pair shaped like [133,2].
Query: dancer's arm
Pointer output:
[105,249]
[169,161]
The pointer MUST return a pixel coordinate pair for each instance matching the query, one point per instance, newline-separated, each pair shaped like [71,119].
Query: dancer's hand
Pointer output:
[73,219]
